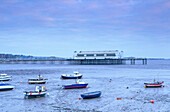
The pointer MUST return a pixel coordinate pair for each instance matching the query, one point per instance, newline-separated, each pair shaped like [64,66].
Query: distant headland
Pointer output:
[12,56]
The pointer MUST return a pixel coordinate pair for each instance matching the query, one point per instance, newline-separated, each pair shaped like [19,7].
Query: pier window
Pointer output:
[113,54]
[81,55]
[99,54]
[89,54]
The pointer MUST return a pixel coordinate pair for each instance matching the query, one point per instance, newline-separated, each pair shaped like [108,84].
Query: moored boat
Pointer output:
[154,84]
[76,75]
[79,84]
[40,91]
[5,77]
[89,95]
[4,87]
[39,80]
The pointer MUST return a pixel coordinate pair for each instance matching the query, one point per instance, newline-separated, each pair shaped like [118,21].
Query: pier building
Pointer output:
[109,54]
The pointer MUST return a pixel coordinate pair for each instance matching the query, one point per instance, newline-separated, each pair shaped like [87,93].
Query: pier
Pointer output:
[78,61]
[108,57]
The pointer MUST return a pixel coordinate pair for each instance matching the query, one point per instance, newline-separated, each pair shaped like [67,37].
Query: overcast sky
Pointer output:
[140,28]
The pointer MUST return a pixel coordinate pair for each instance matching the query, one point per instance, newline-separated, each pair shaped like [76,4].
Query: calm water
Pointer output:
[98,77]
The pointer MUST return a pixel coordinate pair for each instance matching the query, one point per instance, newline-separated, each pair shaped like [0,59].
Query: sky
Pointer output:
[140,28]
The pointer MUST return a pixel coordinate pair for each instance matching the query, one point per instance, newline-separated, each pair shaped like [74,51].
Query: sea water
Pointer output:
[98,77]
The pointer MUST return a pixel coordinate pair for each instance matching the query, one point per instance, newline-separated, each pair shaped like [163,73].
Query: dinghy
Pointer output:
[89,95]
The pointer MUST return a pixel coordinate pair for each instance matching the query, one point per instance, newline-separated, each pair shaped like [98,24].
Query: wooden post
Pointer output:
[145,61]
[134,61]
[131,61]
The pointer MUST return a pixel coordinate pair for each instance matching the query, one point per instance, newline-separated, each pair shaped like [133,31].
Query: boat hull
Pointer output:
[69,77]
[75,86]
[6,87]
[91,95]
[5,79]
[34,94]
[36,82]
[153,85]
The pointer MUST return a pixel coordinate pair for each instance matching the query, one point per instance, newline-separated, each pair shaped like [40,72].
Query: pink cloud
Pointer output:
[167,4]
[160,8]
[44,18]
[3,18]
[49,21]
[74,29]
[11,1]
[122,2]
[81,20]
[93,6]
[69,1]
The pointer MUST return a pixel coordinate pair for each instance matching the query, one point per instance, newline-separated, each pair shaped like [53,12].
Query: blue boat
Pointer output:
[79,84]
[4,87]
[95,94]
[40,91]
[76,75]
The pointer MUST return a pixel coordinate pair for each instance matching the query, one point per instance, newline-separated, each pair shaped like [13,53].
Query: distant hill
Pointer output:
[11,56]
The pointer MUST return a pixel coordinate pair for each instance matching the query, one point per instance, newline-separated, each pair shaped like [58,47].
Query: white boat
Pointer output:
[76,75]
[4,87]
[5,77]
[39,80]
[40,91]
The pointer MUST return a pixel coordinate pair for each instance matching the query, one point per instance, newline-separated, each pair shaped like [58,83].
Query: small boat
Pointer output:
[40,80]
[76,75]
[5,77]
[40,91]
[154,84]
[79,84]
[95,94]
[4,87]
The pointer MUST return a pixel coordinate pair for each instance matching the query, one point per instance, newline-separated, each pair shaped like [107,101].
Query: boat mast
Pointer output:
[158,76]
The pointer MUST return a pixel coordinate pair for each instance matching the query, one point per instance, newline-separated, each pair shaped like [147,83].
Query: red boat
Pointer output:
[154,84]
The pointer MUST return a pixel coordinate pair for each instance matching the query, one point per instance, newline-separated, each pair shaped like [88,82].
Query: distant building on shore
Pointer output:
[109,54]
